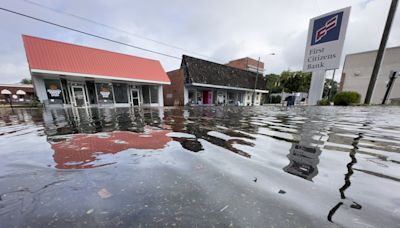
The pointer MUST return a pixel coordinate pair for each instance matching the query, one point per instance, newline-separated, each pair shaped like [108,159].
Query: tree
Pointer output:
[295,81]
[334,89]
[273,83]
[26,81]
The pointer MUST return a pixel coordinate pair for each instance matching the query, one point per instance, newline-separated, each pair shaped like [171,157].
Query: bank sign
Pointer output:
[326,34]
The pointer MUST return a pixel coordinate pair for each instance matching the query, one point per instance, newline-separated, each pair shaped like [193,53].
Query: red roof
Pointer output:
[63,58]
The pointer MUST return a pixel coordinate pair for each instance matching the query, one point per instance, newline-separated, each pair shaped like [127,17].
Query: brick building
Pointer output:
[201,82]
[247,64]
[19,93]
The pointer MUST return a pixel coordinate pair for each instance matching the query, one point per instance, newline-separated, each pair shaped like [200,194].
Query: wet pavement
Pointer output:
[200,167]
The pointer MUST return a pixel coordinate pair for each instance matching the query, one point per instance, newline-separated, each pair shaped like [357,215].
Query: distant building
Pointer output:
[18,93]
[247,64]
[72,75]
[201,82]
[357,72]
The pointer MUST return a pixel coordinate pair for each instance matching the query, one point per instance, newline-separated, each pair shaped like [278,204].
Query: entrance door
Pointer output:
[135,97]
[207,97]
[79,95]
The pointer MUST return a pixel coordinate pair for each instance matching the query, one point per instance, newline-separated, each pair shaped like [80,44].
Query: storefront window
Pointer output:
[150,94]
[53,90]
[120,93]
[105,93]
[154,94]
[192,97]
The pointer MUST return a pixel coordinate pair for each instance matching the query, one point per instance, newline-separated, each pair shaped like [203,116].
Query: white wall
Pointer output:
[185,95]
[160,96]
[40,88]
[362,64]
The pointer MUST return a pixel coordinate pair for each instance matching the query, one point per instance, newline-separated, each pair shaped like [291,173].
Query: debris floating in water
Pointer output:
[104,193]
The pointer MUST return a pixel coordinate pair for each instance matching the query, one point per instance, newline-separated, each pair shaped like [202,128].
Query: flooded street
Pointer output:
[200,167]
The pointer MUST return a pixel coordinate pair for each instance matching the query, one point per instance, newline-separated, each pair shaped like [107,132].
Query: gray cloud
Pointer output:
[222,30]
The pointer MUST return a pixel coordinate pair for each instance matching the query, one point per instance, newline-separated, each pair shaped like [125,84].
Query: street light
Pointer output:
[255,84]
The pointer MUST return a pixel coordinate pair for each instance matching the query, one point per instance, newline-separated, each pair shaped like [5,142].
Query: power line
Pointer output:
[113,28]
[89,34]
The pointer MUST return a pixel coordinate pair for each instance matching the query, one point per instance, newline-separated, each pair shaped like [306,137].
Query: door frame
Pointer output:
[131,96]
[84,94]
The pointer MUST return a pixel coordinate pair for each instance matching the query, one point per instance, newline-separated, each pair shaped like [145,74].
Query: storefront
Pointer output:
[201,82]
[72,75]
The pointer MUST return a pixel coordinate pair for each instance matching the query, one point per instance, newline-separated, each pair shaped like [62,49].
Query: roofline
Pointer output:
[255,74]
[227,87]
[97,76]
[17,85]
[375,50]
[82,46]
[243,59]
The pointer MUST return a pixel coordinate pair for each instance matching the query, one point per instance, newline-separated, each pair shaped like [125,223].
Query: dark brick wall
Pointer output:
[173,94]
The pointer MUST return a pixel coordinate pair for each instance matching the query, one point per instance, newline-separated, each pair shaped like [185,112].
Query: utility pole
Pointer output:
[381,51]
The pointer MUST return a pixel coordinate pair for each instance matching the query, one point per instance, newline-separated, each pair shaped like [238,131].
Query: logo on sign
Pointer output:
[327,28]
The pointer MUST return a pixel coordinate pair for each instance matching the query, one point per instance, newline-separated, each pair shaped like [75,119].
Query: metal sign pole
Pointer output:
[393,75]
[316,87]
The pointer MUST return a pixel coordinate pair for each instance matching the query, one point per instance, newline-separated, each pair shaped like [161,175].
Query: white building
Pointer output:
[357,72]
[65,74]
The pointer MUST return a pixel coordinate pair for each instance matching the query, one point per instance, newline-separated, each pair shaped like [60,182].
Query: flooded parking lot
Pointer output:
[200,167]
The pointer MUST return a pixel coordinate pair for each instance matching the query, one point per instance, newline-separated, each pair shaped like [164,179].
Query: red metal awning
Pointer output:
[54,57]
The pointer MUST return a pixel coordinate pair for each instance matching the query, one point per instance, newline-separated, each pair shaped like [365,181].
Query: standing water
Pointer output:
[200,167]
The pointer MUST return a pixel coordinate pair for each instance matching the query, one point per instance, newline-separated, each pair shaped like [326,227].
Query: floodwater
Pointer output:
[200,167]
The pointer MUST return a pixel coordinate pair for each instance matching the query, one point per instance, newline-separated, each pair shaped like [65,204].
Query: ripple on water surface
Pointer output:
[201,166]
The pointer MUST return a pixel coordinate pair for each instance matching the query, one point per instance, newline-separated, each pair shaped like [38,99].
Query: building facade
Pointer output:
[357,72]
[16,93]
[201,82]
[247,64]
[65,74]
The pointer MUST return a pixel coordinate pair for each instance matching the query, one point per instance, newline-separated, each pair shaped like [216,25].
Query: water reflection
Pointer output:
[81,151]
[303,161]
[335,163]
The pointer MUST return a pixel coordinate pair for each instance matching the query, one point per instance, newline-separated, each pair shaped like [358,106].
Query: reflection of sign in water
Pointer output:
[303,161]
[105,93]
[54,91]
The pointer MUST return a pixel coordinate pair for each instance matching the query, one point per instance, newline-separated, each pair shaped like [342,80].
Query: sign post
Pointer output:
[326,34]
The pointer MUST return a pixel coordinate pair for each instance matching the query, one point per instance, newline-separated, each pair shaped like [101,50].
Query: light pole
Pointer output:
[255,84]
[381,51]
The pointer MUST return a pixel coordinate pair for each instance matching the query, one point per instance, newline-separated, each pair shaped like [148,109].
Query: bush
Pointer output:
[347,98]
[324,102]
[275,99]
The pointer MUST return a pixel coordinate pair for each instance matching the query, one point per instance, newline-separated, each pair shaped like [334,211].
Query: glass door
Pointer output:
[135,97]
[78,93]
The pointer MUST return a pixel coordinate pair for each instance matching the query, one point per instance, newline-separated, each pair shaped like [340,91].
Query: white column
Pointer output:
[186,95]
[40,88]
[160,96]
[316,87]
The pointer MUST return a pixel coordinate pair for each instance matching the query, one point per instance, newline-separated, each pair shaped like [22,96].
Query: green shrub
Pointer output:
[347,98]
[324,102]
[275,99]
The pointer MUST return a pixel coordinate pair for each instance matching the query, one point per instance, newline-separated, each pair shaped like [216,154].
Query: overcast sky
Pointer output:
[217,30]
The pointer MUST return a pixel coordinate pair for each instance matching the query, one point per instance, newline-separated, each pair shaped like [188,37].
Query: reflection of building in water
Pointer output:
[85,120]
[201,122]
[303,161]
[80,151]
